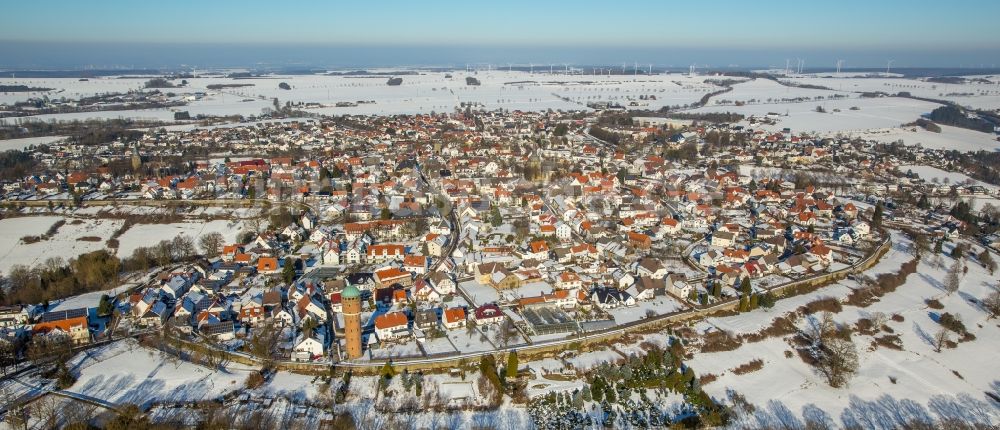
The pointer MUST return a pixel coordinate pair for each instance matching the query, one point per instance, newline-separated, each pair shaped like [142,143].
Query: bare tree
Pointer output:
[53,264]
[819,330]
[163,253]
[47,409]
[992,304]
[211,243]
[835,354]
[878,319]
[505,332]
[264,340]
[8,356]
[17,414]
[940,339]
[254,223]
[470,327]
[838,361]
[954,278]
[183,247]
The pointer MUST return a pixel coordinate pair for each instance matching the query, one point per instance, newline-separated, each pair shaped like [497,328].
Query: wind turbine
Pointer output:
[839,64]
[788,63]
[531,67]
[888,66]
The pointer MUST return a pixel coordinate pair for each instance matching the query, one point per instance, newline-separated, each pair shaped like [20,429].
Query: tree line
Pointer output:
[99,270]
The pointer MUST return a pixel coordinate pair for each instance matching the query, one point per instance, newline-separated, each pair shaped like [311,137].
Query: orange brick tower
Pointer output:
[351,301]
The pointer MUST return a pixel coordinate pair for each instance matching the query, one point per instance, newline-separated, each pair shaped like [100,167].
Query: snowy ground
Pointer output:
[480,294]
[766,91]
[950,384]
[643,309]
[975,95]
[420,93]
[8,144]
[465,342]
[124,372]
[949,138]
[929,174]
[65,243]
[149,234]
[291,385]
[872,113]
[87,300]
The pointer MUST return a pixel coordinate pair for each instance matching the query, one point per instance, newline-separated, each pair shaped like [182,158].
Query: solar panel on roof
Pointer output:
[63,315]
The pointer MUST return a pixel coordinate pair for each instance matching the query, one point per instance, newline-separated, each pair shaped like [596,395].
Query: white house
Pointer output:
[391,326]
[861,228]
[723,239]
[308,348]
[331,253]
[611,298]
[564,232]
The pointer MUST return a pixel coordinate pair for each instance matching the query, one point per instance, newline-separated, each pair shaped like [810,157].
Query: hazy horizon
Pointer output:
[110,55]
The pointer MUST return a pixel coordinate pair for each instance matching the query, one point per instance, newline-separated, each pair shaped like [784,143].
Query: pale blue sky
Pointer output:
[876,28]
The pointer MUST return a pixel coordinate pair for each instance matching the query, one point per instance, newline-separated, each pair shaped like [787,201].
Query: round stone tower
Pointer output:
[351,301]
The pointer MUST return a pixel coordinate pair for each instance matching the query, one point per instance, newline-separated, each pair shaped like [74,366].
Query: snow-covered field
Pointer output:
[766,91]
[124,372]
[878,119]
[874,118]
[65,243]
[891,385]
[291,385]
[949,138]
[979,95]
[872,113]
[420,93]
[930,174]
[8,144]
[141,235]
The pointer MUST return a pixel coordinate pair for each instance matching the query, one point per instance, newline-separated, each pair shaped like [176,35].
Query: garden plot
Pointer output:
[70,240]
[141,235]
[470,342]
[645,309]
[124,372]
[87,300]
[479,293]
[440,345]
[554,383]
[588,360]
[292,386]
[546,365]
[406,349]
